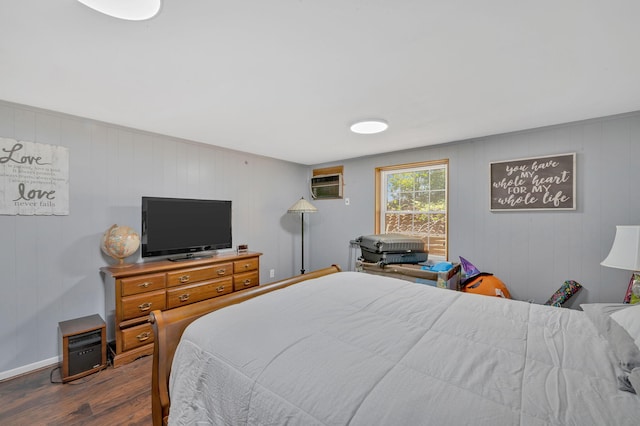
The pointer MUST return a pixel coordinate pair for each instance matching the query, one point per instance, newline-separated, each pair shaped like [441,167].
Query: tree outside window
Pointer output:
[415,203]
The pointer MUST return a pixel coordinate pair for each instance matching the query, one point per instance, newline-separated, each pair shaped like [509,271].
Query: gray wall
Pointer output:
[50,265]
[532,252]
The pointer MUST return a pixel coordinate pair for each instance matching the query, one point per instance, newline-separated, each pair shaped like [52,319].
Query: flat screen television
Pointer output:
[184,226]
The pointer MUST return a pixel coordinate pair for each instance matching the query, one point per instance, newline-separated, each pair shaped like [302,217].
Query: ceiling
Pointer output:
[286,78]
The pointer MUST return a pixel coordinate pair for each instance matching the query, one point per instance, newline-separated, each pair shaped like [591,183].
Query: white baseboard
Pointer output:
[4,375]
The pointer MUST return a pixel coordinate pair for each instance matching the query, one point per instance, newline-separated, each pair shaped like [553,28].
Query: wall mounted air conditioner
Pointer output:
[326,186]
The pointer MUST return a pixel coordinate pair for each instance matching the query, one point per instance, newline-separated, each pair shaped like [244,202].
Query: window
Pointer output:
[411,199]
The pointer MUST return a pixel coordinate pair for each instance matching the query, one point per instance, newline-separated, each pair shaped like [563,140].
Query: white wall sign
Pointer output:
[34,178]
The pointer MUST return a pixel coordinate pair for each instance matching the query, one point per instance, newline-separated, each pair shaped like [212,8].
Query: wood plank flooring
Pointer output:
[114,396]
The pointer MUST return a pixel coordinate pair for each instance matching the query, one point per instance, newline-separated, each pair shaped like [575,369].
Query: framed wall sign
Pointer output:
[539,183]
[34,178]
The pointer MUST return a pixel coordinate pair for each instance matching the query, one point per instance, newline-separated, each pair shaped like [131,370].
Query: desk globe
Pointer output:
[120,242]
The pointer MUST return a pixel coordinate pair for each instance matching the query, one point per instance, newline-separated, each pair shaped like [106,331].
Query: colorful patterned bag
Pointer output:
[633,291]
[564,293]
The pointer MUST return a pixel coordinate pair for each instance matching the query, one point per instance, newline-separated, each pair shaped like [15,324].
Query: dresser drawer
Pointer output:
[183,295]
[142,304]
[142,284]
[134,337]
[246,280]
[191,275]
[245,265]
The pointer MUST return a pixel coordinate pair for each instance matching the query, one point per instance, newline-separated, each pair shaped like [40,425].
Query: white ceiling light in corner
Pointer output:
[369,127]
[131,10]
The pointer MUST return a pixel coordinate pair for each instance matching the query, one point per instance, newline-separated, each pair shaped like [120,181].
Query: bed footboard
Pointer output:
[168,327]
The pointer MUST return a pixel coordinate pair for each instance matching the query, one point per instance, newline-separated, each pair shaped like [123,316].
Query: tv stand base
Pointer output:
[189,257]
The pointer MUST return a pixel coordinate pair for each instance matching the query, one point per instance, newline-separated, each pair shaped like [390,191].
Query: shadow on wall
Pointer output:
[290,222]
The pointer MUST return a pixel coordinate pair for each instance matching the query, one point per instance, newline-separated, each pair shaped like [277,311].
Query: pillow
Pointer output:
[623,344]
[629,319]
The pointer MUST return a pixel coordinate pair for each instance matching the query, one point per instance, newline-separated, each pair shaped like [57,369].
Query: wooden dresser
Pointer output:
[133,292]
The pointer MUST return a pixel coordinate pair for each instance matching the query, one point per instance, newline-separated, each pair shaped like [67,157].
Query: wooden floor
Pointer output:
[114,396]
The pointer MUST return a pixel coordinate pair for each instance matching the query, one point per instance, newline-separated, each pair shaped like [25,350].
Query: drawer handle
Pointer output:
[247,282]
[184,297]
[144,306]
[144,284]
[143,336]
[221,271]
[220,289]
[184,278]
[247,265]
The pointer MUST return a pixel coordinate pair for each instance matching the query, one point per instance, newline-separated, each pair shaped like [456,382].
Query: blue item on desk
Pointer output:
[438,267]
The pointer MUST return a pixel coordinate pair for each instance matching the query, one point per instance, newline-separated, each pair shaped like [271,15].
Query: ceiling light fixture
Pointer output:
[130,10]
[369,127]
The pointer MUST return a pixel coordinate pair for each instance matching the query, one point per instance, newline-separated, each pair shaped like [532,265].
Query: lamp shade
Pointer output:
[625,252]
[302,206]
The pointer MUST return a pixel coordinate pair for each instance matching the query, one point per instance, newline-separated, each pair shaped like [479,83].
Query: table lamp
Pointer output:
[625,254]
[302,206]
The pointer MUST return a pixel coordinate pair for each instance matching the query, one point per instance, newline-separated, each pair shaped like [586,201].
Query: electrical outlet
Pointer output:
[272,273]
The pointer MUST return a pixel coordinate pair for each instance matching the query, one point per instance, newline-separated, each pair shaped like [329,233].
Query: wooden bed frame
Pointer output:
[169,325]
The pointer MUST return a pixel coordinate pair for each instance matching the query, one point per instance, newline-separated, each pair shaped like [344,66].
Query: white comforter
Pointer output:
[352,348]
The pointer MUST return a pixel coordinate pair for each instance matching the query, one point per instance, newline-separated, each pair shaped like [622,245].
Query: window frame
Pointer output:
[381,193]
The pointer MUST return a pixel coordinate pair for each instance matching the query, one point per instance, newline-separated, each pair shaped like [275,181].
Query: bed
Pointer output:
[333,347]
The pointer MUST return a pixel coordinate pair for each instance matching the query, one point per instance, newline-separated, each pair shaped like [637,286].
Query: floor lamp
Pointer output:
[625,254]
[302,206]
